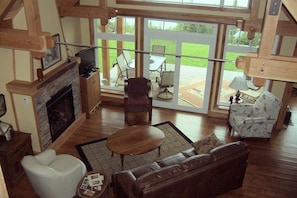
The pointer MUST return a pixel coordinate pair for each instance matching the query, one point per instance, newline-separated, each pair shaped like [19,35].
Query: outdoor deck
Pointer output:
[191,84]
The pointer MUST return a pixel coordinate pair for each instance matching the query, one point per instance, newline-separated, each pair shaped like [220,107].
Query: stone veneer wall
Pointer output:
[67,76]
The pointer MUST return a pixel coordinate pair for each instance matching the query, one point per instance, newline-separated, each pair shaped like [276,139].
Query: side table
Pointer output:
[11,154]
[85,190]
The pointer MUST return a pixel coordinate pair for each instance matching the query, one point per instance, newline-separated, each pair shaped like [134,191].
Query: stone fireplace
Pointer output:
[55,104]
[49,89]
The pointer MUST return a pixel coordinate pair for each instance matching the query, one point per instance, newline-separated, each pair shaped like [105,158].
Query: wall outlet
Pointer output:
[26,101]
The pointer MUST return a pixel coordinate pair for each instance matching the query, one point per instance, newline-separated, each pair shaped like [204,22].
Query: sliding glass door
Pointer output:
[188,47]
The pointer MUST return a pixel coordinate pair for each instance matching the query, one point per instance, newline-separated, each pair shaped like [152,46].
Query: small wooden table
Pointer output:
[82,186]
[134,140]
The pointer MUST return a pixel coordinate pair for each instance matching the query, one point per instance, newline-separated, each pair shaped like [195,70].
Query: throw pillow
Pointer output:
[206,144]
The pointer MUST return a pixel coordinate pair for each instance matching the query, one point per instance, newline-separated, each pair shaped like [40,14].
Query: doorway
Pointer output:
[188,47]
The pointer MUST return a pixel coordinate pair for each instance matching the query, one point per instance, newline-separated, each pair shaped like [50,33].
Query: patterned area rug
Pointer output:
[193,93]
[98,157]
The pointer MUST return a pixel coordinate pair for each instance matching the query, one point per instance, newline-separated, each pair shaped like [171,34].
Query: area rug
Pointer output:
[193,93]
[98,157]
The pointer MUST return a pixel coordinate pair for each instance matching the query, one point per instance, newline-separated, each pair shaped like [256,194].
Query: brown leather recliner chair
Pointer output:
[138,97]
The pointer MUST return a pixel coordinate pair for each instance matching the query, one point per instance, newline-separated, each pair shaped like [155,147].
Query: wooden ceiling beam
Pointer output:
[6,24]
[264,65]
[21,39]
[286,28]
[277,67]
[67,2]
[91,12]
[291,6]
[5,6]
[32,16]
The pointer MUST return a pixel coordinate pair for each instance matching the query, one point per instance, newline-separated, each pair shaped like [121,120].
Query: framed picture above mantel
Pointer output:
[53,55]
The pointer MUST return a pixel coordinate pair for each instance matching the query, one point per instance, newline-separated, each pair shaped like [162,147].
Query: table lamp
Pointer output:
[238,83]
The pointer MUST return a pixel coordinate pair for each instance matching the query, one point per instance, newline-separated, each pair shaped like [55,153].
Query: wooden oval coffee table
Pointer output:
[134,140]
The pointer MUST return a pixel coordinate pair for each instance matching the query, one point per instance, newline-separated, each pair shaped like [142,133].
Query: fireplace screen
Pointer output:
[60,111]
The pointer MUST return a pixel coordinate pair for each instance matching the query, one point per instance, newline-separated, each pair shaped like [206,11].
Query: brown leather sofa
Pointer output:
[186,174]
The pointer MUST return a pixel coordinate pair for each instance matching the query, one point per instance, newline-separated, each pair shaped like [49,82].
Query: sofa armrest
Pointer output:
[123,184]
[241,109]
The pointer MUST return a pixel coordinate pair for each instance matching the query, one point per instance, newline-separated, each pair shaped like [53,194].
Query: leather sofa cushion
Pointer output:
[190,152]
[231,149]
[196,161]
[158,176]
[171,160]
[144,169]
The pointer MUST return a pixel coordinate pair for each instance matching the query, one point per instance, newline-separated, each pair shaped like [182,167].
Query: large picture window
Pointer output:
[118,35]
[237,44]
[242,4]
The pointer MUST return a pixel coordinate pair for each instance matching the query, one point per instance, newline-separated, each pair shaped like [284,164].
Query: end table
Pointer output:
[99,187]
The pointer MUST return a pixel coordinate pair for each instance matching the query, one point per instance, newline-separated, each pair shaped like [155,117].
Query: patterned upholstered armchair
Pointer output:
[255,120]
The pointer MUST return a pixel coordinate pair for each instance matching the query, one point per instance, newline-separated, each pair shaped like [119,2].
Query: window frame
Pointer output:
[186,6]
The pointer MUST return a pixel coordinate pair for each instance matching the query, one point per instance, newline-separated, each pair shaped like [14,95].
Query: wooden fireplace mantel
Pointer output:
[31,88]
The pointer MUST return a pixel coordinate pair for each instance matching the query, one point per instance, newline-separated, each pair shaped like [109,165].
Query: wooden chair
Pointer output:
[138,97]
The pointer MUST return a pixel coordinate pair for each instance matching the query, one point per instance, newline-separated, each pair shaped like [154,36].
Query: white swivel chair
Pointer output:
[255,120]
[54,175]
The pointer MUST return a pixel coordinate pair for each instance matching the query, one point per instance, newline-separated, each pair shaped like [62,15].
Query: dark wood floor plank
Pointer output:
[272,165]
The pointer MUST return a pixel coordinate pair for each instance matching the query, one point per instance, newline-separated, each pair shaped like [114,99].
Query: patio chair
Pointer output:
[159,50]
[123,70]
[138,97]
[255,120]
[166,81]
[130,62]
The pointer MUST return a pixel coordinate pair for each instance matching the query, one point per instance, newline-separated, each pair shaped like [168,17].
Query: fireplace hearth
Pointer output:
[60,111]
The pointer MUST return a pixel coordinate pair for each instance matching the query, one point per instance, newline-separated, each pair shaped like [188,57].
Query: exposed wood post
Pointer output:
[139,34]
[120,30]
[269,30]
[105,55]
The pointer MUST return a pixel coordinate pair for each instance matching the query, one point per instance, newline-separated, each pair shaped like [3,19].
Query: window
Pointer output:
[238,4]
[180,26]
[116,36]
[236,45]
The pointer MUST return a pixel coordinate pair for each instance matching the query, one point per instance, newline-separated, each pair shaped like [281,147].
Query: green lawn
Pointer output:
[188,49]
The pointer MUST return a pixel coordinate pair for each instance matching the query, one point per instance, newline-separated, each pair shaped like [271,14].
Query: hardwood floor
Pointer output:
[272,165]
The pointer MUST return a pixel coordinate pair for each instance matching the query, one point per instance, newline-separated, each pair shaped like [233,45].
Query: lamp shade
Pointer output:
[239,83]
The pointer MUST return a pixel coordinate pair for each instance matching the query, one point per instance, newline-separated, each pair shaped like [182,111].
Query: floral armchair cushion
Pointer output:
[255,120]
[267,105]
